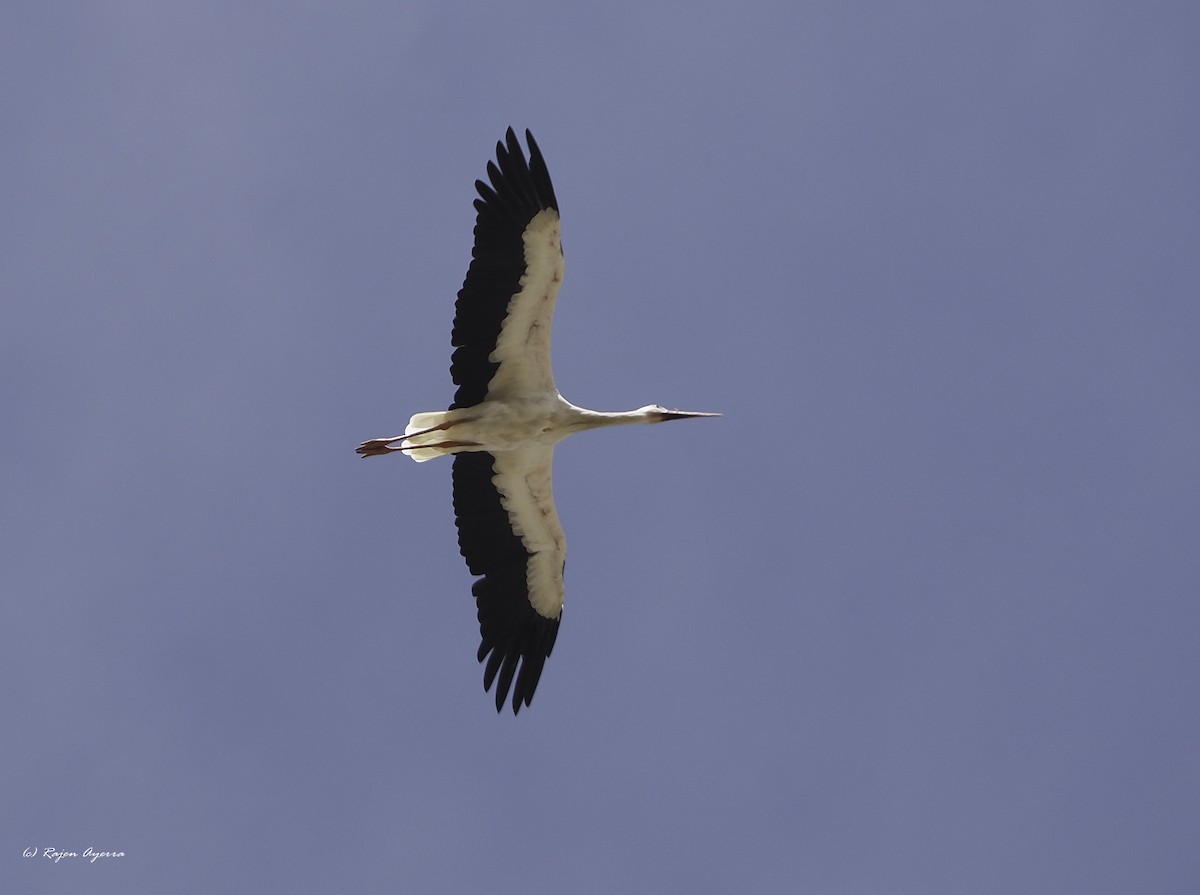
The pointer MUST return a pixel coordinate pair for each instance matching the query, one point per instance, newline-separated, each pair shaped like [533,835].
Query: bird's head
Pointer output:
[656,413]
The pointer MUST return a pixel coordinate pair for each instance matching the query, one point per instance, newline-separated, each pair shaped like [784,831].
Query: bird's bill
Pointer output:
[684,415]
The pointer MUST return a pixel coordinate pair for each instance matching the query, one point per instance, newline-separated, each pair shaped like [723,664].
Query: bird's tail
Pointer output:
[423,432]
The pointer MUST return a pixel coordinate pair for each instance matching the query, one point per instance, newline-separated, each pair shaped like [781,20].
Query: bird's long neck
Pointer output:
[596,419]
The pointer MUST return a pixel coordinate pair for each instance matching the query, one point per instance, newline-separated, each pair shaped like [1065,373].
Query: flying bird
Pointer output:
[506,418]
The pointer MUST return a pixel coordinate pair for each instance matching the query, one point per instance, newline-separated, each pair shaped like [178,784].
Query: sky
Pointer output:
[918,614]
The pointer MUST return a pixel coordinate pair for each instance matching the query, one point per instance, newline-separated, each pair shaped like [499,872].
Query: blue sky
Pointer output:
[917,615]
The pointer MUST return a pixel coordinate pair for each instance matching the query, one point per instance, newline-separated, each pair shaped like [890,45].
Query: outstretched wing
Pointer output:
[504,310]
[509,533]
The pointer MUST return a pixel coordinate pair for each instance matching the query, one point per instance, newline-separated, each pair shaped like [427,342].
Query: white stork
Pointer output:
[506,418]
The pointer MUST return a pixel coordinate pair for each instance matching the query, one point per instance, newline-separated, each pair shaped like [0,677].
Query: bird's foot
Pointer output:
[377,447]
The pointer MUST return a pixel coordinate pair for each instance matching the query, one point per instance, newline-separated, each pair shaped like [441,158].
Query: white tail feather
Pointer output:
[419,427]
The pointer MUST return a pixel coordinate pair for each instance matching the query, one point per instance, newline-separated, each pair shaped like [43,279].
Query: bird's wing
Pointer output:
[503,314]
[509,533]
